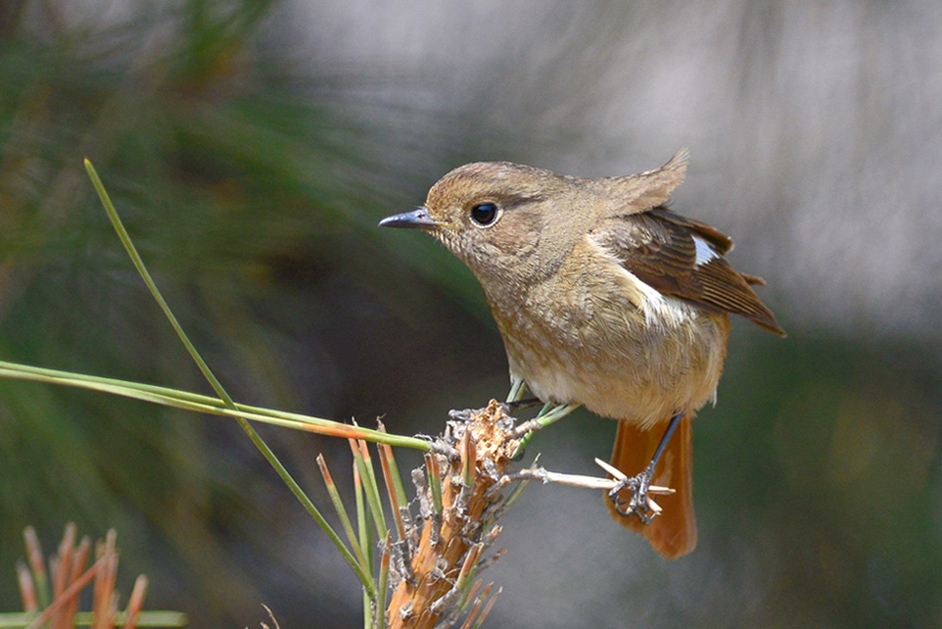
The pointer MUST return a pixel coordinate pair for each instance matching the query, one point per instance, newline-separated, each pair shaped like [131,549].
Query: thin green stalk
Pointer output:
[155,618]
[515,493]
[213,381]
[371,487]
[549,414]
[205,404]
[555,414]
[152,286]
[341,511]
[385,454]
[363,530]
[394,471]
[383,584]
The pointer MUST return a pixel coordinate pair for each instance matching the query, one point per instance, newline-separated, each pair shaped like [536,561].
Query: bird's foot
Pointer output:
[640,503]
[517,405]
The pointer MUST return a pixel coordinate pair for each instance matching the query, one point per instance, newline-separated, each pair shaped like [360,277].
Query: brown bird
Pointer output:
[605,298]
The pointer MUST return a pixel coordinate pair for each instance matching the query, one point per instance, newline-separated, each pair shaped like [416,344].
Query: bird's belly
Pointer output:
[645,375]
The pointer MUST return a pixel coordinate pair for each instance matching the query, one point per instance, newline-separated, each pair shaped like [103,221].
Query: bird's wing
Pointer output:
[683,258]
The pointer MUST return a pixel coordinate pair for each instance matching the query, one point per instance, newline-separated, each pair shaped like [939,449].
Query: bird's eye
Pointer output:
[484,213]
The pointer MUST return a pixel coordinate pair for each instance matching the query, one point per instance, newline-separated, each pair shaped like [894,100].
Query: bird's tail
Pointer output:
[674,532]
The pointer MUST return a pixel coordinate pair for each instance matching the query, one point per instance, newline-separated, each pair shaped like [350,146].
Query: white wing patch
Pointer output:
[659,309]
[705,252]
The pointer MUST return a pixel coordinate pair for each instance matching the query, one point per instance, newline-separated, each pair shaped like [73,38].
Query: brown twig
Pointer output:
[68,593]
[69,577]
[451,545]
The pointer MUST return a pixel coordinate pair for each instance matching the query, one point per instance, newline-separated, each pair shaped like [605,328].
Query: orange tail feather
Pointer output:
[674,532]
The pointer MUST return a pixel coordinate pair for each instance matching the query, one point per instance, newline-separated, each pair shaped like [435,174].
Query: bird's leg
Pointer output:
[517,387]
[515,400]
[517,405]
[639,503]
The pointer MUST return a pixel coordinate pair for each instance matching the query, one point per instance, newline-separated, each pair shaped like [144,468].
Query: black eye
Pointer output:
[484,213]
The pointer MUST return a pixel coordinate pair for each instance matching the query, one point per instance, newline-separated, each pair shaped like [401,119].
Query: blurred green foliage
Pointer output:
[835,446]
[252,191]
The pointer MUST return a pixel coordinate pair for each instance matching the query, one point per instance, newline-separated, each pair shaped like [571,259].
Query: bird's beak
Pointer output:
[419,218]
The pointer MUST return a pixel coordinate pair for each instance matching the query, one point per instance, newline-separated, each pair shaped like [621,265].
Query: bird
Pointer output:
[605,298]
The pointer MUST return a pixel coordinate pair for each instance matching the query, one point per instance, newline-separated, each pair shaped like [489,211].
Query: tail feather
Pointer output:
[674,532]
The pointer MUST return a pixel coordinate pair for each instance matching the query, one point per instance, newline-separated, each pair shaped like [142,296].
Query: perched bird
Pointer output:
[605,298]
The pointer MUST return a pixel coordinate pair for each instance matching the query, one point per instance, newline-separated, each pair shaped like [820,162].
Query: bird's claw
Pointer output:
[640,504]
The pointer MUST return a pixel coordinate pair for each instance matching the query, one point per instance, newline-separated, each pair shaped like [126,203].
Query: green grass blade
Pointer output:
[153,618]
[371,488]
[152,286]
[341,511]
[383,584]
[204,404]
[214,382]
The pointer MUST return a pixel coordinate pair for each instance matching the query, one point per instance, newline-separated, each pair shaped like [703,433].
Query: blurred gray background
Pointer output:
[251,148]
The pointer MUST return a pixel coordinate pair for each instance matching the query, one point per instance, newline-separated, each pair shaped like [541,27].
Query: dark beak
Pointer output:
[416,218]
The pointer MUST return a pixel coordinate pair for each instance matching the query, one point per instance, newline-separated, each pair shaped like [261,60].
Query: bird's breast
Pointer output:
[595,335]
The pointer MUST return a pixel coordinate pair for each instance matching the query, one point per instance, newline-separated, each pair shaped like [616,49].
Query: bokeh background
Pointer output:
[251,148]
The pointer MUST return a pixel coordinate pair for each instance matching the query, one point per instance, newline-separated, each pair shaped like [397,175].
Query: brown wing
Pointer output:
[662,250]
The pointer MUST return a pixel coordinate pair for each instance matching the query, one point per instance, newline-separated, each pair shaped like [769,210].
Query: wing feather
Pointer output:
[659,248]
